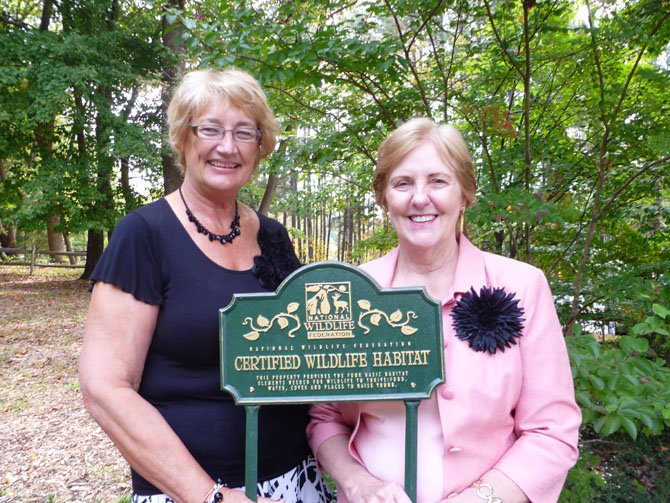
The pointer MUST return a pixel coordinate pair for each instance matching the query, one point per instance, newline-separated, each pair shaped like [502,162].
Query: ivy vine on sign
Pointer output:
[395,319]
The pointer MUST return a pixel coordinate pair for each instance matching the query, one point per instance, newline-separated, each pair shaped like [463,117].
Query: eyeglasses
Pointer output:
[241,134]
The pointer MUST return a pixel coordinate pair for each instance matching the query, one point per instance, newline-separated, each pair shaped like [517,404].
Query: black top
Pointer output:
[152,257]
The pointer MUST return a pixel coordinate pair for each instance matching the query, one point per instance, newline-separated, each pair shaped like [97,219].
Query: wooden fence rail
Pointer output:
[30,257]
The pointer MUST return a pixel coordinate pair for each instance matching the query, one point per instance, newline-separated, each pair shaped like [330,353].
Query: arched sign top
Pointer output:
[330,333]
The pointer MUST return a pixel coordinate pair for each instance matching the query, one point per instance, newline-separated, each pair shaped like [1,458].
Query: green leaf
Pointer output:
[629,403]
[583,398]
[189,23]
[635,344]
[660,310]
[630,413]
[629,426]
[599,423]
[646,420]
[612,424]
[597,382]
[640,328]
[613,381]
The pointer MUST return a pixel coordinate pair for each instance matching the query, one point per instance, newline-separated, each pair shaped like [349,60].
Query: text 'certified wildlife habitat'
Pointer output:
[330,333]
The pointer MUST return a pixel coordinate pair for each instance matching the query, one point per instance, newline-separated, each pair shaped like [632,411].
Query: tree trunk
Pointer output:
[4,241]
[126,189]
[301,240]
[352,234]
[11,232]
[94,247]
[5,230]
[68,246]
[104,162]
[104,170]
[309,231]
[44,139]
[324,233]
[269,193]
[173,65]
[55,239]
[45,18]
[171,176]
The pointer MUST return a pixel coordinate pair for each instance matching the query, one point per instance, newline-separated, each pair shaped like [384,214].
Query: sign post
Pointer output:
[330,333]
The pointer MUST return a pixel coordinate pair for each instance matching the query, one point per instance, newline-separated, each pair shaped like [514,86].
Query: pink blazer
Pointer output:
[514,411]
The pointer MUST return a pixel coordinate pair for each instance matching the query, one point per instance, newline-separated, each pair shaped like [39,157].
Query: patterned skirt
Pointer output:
[302,484]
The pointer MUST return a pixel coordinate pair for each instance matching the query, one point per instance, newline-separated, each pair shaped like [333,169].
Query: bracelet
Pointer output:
[485,492]
[215,494]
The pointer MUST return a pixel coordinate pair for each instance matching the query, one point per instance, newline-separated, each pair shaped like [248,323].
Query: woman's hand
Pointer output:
[359,485]
[374,490]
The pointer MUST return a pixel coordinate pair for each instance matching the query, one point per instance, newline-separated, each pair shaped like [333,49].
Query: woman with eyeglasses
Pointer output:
[149,367]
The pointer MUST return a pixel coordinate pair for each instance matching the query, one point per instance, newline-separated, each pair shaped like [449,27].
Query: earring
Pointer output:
[462,222]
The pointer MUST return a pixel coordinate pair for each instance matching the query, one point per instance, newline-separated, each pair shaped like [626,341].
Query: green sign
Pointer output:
[330,333]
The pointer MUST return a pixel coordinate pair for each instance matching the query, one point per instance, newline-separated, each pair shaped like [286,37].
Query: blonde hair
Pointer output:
[200,88]
[449,143]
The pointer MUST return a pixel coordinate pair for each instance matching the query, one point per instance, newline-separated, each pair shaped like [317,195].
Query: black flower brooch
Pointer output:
[488,321]
[276,261]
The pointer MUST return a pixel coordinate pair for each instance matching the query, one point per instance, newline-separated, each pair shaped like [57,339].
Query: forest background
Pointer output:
[565,105]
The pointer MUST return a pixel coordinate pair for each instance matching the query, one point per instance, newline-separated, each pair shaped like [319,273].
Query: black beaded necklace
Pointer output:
[221,238]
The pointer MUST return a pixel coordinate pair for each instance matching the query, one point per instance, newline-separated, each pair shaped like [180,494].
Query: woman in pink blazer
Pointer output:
[504,426]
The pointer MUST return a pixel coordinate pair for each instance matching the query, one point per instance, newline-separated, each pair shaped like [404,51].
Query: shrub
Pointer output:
[618,387]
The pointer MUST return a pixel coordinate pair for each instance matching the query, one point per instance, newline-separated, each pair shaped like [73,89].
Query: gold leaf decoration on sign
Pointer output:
[394,320]
[407,330]
[364,304]
[252,336]
[283,320]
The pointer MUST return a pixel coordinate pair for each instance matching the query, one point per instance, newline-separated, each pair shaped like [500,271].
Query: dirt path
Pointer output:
[50,449]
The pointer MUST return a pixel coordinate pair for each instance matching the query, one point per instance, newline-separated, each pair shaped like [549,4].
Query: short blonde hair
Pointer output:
[449,142]
[198,89]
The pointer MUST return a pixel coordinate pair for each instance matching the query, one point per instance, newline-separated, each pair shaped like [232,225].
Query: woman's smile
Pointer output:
[224,164]
[422,218]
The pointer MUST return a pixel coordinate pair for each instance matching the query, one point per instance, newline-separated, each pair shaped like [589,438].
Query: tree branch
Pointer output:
[412,67]
[499,39]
